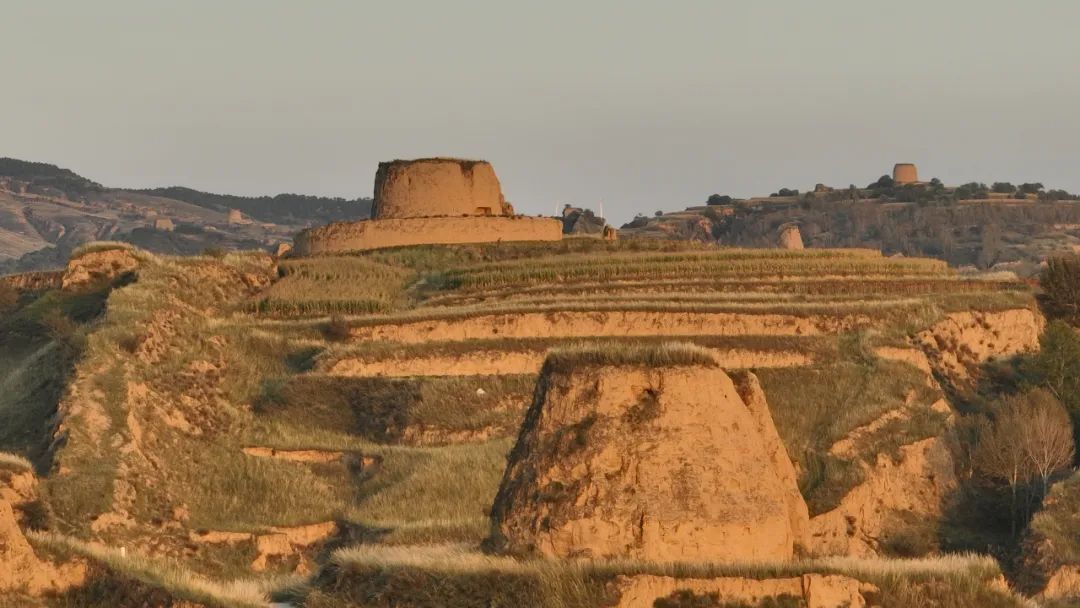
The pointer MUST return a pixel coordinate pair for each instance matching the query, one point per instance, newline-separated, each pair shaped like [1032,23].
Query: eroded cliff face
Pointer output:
[99,268]
[21,570]
[915,484]
[665,463]
[433,187]
[962,341]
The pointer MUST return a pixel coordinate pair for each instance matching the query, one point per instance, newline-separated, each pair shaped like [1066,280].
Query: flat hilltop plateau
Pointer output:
[578,423]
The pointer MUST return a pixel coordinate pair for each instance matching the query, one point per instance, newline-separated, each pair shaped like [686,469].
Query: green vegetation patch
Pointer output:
[421,410]
[814,407]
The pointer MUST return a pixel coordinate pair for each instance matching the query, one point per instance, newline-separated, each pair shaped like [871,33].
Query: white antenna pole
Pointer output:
[601,208]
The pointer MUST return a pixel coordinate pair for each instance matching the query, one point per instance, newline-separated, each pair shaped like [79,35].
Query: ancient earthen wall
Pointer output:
[790,237]
[376,234]
[639,462]
[905,173]
[434,187]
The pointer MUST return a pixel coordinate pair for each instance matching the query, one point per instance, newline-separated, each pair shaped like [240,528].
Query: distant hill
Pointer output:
[281,208]
[46,211]
[999,227]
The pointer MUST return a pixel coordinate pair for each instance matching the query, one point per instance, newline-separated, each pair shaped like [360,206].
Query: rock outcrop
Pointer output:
[432,187]
[20,568]
[659,463]
[99,268]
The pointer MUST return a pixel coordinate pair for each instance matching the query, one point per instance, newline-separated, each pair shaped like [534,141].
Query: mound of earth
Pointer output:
[650,462]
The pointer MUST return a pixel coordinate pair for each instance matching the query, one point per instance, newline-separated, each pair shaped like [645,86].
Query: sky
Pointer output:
[637,106]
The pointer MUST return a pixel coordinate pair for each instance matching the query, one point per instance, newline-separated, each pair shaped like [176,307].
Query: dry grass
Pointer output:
[167,575]
[459,575]
[14,462]
[815,346]
[664,354]
[98,246]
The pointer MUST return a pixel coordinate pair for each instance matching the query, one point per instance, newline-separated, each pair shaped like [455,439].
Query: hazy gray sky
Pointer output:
[641,105]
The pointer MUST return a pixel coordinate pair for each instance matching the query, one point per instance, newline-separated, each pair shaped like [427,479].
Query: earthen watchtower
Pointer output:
[905,173]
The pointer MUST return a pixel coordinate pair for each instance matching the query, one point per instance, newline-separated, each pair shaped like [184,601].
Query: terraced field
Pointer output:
[371,400]
[480,319]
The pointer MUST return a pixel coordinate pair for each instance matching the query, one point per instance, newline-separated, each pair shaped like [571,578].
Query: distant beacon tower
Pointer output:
[905,173]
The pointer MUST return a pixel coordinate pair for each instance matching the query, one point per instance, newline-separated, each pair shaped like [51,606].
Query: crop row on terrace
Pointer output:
[437,257]
[816,286]
[747,298]
[332,285]
[893,309]
[376,350]
[659,268]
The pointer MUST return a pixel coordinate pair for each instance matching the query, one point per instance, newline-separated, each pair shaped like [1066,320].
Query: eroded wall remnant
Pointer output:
[435,187]
[638,462]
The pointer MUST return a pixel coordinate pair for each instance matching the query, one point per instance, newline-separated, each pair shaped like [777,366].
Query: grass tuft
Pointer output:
[14,462]
[167,575]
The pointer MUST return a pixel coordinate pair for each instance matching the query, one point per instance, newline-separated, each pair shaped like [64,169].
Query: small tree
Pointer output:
[1060,282]
[1031,188]
[1000,454]
[971,190]
[717,199]
[1003,188]
[883,182]
[1029,438]
[1046,435]
[1057,366]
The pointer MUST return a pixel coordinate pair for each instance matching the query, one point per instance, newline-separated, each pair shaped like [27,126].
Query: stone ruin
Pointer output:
[905,173]
[642,462]
[431,201]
